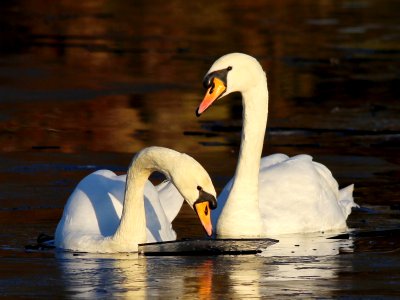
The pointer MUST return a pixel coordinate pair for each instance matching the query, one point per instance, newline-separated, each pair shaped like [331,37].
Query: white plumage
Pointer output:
[276,194]
[94,211]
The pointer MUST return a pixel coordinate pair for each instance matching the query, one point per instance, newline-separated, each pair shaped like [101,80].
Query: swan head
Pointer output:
[196,188]
[234,72]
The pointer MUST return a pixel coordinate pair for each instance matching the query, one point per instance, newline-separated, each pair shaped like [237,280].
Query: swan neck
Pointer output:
[132,228]
[255,114]
[241,215]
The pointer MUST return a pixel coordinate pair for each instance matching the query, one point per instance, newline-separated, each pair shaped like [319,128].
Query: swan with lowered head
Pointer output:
[94,219]
[276,194]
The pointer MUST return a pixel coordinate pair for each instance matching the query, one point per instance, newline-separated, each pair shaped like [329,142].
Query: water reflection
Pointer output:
[309,244]
[92,276]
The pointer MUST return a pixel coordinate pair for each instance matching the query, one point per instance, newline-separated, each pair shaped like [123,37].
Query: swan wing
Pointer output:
[299,195]
[170,198]
[159,228]
[95,207]
[92,208]
[344,196]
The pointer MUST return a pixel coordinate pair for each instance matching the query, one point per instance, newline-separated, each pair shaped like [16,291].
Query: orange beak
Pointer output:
[213,93]
[203,212]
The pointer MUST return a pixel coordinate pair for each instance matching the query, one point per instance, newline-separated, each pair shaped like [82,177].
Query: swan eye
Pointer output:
[199,188]
[229,68]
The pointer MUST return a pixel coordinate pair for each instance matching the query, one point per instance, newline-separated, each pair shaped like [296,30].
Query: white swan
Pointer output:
[97,219]
[276,194]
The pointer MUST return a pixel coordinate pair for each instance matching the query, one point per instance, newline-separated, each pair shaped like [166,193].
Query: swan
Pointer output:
[97,219]
[276,194]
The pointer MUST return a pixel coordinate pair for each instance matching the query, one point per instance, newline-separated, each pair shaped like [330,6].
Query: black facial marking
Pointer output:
[208,80]
[220,74]
[204,196]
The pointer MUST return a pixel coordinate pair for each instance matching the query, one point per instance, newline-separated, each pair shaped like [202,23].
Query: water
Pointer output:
[84,86]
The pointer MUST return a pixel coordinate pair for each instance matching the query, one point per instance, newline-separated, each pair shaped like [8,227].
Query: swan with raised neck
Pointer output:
[241,215]
[302,200]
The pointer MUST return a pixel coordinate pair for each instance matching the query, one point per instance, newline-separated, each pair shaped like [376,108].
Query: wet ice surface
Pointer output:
[198,247]
[84,86]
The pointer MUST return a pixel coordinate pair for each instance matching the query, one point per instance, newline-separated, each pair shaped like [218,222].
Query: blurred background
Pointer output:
[86,84]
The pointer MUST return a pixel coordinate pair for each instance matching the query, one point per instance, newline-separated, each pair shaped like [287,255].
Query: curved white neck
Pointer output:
[132,227]
[255,114]
[241,215]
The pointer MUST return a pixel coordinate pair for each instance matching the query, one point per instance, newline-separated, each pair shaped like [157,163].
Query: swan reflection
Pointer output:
[306,259]
[95,275]
[134,276]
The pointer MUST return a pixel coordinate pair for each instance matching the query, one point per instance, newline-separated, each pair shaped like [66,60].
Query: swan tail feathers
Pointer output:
[346,200]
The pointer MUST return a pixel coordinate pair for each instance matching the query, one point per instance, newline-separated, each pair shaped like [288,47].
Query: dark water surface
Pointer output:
[84,85]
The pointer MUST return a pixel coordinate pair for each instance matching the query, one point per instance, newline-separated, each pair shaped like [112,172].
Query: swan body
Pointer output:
[276,194]
[110,213]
